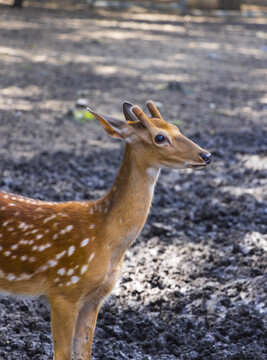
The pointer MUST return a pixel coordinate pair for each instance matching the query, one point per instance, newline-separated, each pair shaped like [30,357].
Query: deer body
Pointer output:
[72,252]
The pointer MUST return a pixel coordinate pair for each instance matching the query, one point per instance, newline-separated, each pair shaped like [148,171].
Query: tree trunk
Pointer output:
[230,4]
[18,3]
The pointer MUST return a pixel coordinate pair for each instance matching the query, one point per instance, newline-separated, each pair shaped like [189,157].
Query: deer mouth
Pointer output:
[196,166]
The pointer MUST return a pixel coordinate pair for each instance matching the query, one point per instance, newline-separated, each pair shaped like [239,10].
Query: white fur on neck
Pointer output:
[153,174]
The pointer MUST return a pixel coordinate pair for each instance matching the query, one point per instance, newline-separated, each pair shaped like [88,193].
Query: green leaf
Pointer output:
[82,115]
[177,122]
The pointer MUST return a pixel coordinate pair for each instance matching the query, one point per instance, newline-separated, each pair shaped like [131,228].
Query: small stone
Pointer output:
[82,103]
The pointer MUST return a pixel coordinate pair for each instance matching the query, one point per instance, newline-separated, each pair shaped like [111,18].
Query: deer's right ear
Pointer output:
[114,127]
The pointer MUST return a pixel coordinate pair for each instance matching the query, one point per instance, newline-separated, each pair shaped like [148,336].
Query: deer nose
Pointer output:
[206,157]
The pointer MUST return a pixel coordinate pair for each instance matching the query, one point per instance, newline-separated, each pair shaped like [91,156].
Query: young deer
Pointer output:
[73,251]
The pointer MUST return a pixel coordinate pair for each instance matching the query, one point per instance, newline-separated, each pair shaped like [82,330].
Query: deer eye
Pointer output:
[159,139]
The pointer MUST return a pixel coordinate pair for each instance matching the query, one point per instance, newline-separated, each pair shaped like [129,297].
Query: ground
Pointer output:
[194,283]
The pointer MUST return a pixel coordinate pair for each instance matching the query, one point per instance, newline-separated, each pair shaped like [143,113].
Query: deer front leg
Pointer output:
[63,319]
[84,332]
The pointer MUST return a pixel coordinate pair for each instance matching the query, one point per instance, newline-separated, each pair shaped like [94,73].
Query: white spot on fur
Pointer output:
[23,242]
[71,250]
[24,257]
[49,218]
[11,277]
[84,242]
[91,257]
[24,277]
[45,246]
[69,228]
[91,226]
[83,269]
[61,271]
[59,256]
[14,247]
[52,263]
[75,279]
[7,253]
[70,272]
[39,236]
[55,237]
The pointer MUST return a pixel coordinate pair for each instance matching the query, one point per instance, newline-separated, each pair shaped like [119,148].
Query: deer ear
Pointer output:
[114,127]
[127,110]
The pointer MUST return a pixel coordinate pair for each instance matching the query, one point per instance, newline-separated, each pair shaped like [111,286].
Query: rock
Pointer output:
[82,103]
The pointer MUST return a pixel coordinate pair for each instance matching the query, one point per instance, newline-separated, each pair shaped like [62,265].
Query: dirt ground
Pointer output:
[194,285]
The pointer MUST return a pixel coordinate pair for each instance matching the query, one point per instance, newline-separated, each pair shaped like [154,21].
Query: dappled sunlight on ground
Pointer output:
[193,283]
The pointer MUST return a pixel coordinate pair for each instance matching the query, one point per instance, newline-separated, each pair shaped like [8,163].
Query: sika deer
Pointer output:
[73,251]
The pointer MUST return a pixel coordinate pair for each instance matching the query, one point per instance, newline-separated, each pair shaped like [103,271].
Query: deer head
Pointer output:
[157,142]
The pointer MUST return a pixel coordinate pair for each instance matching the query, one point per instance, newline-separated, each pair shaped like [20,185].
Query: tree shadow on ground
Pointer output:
[193,287]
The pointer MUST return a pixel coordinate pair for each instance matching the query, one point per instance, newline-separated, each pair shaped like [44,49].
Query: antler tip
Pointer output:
[149,102]
[136,108]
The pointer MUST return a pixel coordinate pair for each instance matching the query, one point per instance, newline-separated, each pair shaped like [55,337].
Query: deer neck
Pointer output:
[129,201]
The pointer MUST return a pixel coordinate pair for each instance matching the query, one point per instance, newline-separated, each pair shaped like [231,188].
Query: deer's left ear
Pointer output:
[114,127]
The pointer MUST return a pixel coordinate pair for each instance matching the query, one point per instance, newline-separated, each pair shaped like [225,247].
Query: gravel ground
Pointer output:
[194,285]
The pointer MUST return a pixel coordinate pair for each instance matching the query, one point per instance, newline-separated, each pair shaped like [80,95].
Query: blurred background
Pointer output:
[194,282]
